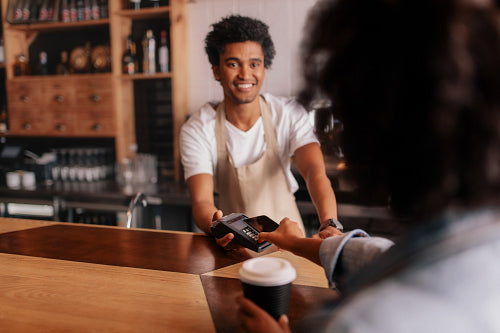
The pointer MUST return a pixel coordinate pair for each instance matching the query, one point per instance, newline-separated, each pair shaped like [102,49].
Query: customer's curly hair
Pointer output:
[417,85]
[237,29]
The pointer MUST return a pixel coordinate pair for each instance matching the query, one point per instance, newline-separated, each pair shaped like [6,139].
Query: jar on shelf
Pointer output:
[21,66]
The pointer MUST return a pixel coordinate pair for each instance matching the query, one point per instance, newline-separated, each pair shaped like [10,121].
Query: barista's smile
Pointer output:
[245,86]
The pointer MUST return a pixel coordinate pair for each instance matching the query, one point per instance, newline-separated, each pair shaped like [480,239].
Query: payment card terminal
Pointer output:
[245,229]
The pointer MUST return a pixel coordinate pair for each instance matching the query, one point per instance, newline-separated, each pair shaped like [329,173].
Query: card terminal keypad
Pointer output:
[251,233]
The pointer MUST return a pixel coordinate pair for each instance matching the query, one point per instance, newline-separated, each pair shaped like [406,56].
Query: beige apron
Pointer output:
[260,188]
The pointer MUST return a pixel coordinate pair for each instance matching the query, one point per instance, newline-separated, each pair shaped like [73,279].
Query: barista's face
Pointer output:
[241,72]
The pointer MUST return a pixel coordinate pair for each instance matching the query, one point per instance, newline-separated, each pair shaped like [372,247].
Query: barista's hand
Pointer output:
[327,232]
[252,318]
[225,242]
[285,235]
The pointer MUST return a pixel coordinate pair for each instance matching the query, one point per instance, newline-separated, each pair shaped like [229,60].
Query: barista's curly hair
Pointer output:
[417,85]
[237,29]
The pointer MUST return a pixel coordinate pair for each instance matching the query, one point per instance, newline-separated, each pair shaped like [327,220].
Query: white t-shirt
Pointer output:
[198,146]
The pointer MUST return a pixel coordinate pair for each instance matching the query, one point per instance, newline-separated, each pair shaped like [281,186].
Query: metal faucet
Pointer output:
[140,198]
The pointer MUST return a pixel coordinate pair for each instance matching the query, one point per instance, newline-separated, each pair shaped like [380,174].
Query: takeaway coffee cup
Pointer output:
[267,281]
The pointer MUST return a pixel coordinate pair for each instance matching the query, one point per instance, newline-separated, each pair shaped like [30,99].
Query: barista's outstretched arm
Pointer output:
[201,191]
[311,165]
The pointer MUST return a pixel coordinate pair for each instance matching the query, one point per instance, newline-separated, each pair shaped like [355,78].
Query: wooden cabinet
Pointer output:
[80,106]
[100,104]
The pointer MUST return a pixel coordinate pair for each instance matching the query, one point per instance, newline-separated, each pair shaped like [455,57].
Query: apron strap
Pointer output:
[226,174]
[267,121]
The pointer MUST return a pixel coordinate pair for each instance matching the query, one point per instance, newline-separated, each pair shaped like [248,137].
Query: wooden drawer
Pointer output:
[95,92]
[27,121]
[61,122]
[24,93]
[95,123]
[59,93]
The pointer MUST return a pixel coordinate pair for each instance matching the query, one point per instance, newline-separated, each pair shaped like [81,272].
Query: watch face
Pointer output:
[331,223]
[336,224]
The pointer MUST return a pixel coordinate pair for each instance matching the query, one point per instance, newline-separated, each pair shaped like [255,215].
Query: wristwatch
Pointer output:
[331,223]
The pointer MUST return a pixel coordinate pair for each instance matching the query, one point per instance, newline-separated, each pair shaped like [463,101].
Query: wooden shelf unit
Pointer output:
[18,37]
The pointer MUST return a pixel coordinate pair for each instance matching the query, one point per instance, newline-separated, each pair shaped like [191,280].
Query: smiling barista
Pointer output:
[241,148]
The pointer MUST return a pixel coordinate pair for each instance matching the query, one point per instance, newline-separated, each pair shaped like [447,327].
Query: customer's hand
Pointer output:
[328,232]
[252,318]
[284,236]
[225,241]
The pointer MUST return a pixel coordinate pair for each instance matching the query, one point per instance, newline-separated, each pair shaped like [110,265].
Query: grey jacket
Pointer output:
[442,278]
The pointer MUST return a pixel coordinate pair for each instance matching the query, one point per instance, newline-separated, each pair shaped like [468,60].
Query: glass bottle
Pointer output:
[80,10]
[129,63]
[2,51]
[135,4]
[26,11]
[65,11]
[50,10]
[34,9]
[21,66]
[163,52]
[3,119]
[149,53]
[96,13]
[62,67]
[87,10]
[103,7]
[18,10]
[72,11]
[42,67]
[43,13]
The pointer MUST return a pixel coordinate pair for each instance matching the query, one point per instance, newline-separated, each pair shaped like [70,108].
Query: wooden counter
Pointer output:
[61,277]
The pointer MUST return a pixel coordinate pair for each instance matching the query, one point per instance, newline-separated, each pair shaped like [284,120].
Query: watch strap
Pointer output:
[331,223]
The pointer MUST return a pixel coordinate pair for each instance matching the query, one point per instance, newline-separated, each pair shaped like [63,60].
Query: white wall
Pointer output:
[285,19]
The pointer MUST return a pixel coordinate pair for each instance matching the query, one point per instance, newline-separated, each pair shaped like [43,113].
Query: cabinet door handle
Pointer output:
[59,98]
[95,98]
[60,127]
[24,98]
[97,127]
[26,126]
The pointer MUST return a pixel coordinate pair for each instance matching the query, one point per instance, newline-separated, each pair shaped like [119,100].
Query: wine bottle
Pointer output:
[18,11]
[50,10]
[2,51]
[62,67]
[135,4]
[103,8]
[42,67]
[33,10]
[129,63]
[149,53]
[21,66]
[163,52]
[3,118]
[26,11]
[72,11]
[65,12]
[96,14]
[43,13]
[80,10]
[87,10]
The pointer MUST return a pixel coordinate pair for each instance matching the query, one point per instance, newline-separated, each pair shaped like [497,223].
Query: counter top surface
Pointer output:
[71,277]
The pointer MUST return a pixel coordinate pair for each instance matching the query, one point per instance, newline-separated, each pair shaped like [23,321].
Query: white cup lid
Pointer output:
[267,272]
